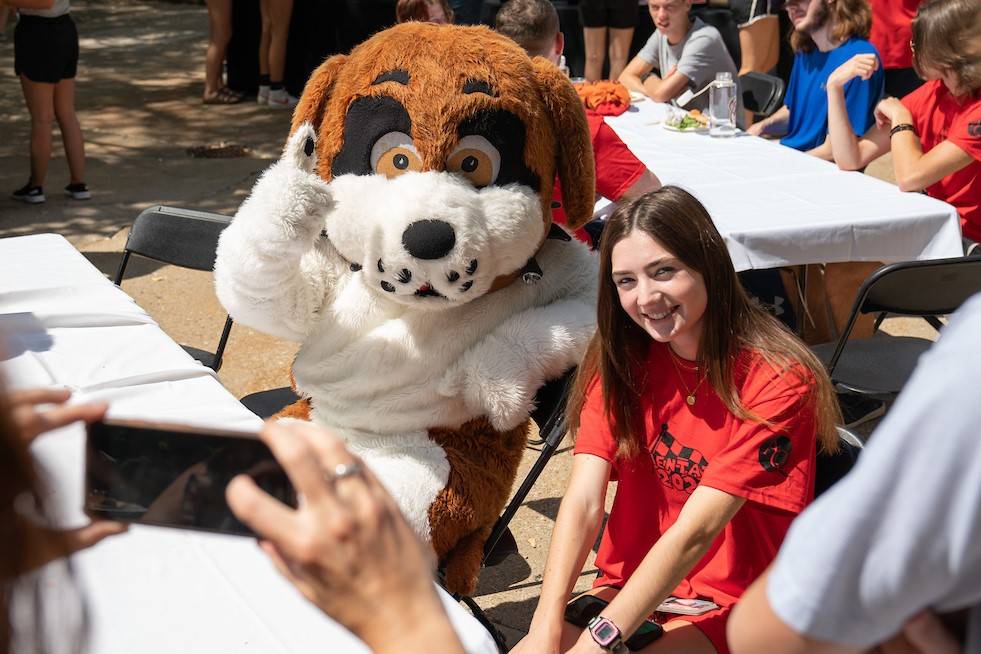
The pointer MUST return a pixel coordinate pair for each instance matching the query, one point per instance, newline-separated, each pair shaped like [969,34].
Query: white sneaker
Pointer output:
[280,98]
[263,96]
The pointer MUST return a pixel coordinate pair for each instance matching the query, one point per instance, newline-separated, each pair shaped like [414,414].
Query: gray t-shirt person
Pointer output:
[698,56]
[902,532]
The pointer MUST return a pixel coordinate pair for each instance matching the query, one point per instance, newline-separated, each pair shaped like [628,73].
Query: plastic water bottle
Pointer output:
[562,66]
[722,106]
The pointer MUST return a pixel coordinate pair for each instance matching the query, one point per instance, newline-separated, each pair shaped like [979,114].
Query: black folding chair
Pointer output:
[832,468]
[266,404]
[879,366]
[184,238]
[550,402]
[761,93]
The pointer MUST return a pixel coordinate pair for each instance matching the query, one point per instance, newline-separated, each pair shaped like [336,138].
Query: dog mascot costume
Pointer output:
[405,240]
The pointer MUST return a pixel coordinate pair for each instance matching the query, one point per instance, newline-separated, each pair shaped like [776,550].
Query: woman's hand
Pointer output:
[861,66]
[31,421]
[757,129]
[347,547]
[586,645]
[921,634]
[539,640]
[891,112]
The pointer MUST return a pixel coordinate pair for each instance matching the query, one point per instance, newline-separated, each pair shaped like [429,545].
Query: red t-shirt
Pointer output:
[938,117]
[616,168]
[892,31]
[704,444]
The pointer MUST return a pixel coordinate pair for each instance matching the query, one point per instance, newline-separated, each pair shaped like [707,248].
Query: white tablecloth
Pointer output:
[152,589]
[776,206]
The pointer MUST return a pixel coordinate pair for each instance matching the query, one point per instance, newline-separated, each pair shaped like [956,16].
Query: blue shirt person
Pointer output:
[807,97]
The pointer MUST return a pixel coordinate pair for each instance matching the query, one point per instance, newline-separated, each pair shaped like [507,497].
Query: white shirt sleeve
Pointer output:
[902,532]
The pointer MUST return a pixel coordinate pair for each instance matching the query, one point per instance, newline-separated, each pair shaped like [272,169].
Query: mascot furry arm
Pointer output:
[404,239]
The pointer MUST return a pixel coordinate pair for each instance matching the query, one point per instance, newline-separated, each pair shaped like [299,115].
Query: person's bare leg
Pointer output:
[619,49]
[71,130]
[264,10]
[594,39]
[219,34]
[39,97]
[279,14]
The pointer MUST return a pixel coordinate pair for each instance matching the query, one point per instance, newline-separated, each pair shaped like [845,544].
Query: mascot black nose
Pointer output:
[429,239]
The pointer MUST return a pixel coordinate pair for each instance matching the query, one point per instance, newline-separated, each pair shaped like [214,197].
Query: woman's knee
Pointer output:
[42,120]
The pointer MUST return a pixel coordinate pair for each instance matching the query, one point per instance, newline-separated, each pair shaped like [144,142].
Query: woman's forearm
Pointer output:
[844,143]
[576,527]
[666,564]
[906,154]
[702,519]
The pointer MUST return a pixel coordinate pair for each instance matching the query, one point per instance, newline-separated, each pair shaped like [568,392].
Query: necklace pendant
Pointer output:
[690,400]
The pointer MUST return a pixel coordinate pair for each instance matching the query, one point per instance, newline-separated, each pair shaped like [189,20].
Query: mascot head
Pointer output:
[441,145]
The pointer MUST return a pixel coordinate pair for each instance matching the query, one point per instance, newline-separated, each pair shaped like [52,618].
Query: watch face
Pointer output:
[605,631]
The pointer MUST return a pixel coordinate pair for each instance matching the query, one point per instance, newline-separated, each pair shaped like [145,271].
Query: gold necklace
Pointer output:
[689,395]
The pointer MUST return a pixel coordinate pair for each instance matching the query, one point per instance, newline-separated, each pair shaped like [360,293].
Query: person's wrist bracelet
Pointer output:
[902,127]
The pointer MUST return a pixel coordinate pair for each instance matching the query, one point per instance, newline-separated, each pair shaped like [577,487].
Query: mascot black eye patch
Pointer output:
[506,132]
[367,120]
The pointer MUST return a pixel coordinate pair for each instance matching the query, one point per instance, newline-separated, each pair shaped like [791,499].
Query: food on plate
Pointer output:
[681,120]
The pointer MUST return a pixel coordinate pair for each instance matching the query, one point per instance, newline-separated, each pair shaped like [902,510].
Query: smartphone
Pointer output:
[174,475]
[584,608]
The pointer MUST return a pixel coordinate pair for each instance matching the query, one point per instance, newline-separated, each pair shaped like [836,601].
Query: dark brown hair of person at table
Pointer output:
[947,38]
[849,18]
[406,10]
[679,222]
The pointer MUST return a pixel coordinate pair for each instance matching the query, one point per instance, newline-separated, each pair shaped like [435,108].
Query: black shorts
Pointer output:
[618,14]
[46,49]
[745,12]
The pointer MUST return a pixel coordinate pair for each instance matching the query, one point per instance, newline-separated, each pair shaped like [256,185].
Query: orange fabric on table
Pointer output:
[604,97]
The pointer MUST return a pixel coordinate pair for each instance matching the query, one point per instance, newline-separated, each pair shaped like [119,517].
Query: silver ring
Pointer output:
[342,470]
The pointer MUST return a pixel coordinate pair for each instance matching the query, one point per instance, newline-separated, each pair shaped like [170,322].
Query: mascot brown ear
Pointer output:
[316,93]
[575,164]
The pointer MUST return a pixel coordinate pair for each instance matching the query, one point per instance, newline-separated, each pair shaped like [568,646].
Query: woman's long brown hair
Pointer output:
[731,322]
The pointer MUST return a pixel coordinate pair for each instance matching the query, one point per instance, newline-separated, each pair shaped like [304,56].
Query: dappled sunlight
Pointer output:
[138,99]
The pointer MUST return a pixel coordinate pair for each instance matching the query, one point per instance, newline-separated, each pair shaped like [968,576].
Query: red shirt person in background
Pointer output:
[935,132]
[708,414]
[892,32]
[534,25]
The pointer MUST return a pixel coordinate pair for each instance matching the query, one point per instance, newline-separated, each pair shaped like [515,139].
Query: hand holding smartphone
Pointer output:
[174,475]
[584,608]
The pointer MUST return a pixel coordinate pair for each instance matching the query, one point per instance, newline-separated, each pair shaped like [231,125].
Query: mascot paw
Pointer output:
[293,190]
[501,388]
[494,381]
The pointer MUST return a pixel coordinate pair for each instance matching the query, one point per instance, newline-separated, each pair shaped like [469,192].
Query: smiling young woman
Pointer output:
[706,411]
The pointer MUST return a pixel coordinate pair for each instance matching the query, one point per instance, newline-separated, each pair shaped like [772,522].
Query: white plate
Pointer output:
[696,130]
